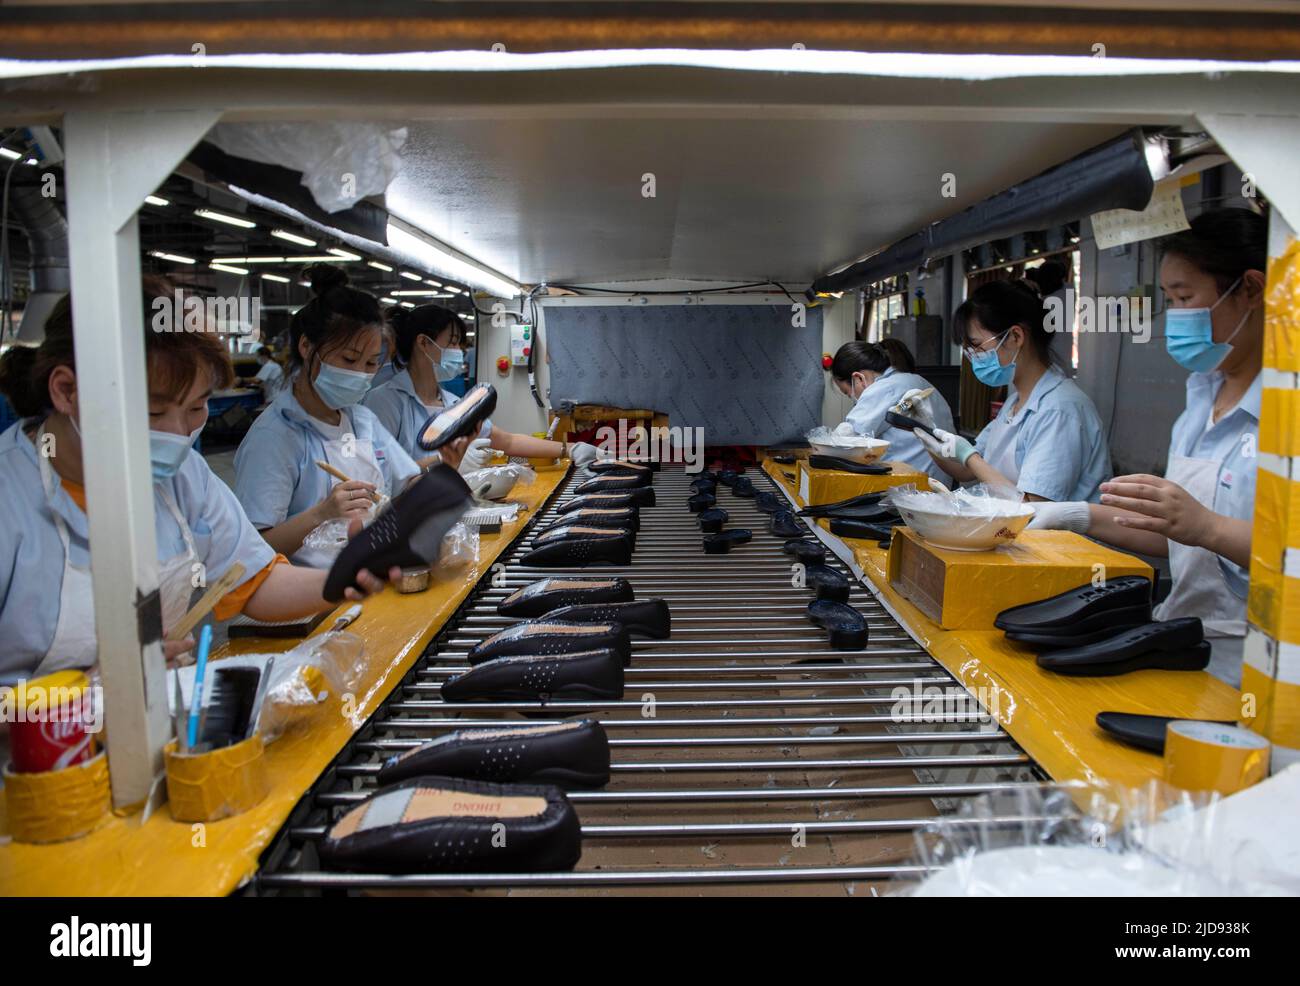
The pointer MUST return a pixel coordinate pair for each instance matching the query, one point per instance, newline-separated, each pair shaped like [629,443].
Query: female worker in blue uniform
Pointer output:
[426,349]
[1047,440]
[876,377]
[335,342]
[47,620]
[1199,513]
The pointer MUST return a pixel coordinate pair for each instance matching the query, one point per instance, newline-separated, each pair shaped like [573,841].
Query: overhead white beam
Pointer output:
[113,161]
[1266,148]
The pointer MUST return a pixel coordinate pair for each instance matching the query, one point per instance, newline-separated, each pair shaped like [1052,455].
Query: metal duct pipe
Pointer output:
[1115,175]
[47,234]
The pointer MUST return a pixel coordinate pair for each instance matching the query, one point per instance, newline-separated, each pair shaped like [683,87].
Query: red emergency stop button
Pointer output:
[528,350]
[503,364]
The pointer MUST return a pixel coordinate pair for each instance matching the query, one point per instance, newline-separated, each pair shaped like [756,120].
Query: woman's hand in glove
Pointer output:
[584,453]
[920,410]
[476,456]
[1071,515]
[945,445]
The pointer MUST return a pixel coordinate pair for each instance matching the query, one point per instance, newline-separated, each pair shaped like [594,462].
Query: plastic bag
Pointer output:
[496,482]
[301,679]
[459,548]
[331,536]
[1074,840]
[977,519]
[341,163]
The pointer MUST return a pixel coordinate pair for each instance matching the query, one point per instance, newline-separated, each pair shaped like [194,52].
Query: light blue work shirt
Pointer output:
[868,418]
[1061,451]
[32,556]
[404,414]
[1232,441]
[276,476]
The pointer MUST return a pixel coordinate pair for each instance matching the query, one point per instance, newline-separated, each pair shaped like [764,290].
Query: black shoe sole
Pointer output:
[720,544]
[846,627]
[1061,614]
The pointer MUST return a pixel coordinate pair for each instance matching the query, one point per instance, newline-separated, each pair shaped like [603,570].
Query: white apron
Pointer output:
[74,644]
[1000,449]
[360,465]
[1199,586]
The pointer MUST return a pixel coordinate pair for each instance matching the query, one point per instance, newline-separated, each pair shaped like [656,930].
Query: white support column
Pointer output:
[113,161]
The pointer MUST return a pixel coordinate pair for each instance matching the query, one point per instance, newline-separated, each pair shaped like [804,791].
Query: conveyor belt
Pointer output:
[745,750]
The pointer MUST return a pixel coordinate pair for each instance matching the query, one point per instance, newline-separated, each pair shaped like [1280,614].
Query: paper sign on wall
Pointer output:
[1163,215]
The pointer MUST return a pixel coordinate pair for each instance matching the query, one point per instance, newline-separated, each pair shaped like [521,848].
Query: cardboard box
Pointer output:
[818,486]
[966,590]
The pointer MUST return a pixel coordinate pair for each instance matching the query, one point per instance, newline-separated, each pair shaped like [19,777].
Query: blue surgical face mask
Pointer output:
[1189,336]
[451,364]
[167,452]
[338,387]
[988,370]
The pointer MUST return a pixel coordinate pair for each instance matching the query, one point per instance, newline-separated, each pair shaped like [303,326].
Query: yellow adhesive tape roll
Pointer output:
[205,787]
[57,805]
[1204,756]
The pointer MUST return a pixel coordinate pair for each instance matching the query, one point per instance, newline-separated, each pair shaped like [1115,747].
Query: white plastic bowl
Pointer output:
[857,448]
[969,532]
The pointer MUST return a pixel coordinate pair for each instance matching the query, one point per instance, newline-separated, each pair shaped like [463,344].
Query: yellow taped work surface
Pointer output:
[1051,716]
[1273,600]
[966,590]
[163,857]
[1279,422]
[817,486]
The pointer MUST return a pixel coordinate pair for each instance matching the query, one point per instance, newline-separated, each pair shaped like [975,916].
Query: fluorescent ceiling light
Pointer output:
[466,316]
[156,200]
[344,254]
[221,217]
[284,234]
[251,260]
[174,257]
[406,304]
[378,266]
[323,258]
[409,276]
[453,290]
[10,153]
[229,270]
[430,280]
[442,262]
[275,277]
[389,301]
[419,294]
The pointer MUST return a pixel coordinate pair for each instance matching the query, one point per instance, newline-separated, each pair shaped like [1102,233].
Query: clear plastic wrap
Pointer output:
[858,448]
[331,536]
[1080,841]
[330,664]
[976,518]
[496,482]
[459,548]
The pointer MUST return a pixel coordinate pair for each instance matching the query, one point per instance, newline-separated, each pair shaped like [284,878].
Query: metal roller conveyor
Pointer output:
[745,750]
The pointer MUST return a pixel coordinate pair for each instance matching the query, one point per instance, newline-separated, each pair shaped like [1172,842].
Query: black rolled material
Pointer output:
[452,825]
[573,754]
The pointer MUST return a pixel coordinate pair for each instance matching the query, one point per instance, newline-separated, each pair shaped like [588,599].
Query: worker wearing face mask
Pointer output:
[47,618]
[317,418]
[426,345]
[876,379]
[1047,440]
[1199,513]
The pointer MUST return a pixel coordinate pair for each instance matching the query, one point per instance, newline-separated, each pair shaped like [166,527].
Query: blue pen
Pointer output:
[196,696]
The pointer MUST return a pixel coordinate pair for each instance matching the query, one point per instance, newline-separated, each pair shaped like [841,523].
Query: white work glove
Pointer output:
[945,445]
[920,410]
[1070,515]
[844,428]
[584,453]
[476,456]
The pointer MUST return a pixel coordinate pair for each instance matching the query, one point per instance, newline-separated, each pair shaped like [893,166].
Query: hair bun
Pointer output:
[323,277]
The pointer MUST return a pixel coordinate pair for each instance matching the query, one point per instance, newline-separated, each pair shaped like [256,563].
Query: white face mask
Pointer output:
[449,365]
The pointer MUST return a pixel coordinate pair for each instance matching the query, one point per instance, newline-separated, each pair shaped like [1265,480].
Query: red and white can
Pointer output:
[54,722]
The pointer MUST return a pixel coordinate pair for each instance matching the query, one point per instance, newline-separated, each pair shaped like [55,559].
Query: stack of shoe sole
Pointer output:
[1105,630]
